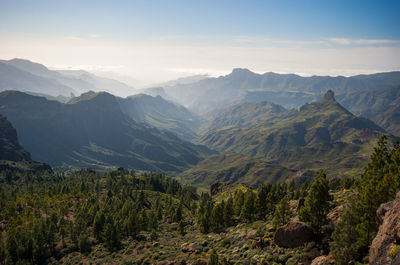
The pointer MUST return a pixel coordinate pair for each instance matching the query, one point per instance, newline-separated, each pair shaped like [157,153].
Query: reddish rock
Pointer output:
[200,262]
[235,250]
[251,234]
[388,217]
[323,260]
[293,234]
[334,215]
[218,187]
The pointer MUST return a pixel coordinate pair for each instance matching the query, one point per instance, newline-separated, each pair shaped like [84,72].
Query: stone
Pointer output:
[323,260]
[388,236]
[293,234]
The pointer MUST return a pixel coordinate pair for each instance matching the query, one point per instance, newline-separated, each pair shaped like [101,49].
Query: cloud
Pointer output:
[347,41]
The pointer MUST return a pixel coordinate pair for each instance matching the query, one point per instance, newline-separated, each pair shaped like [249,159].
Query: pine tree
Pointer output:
[316,205]
[228,212]
[111,234]
[261,202]
[345,246]
[282,213]
[98,226]
[213,258]
[238,203]
[248,210]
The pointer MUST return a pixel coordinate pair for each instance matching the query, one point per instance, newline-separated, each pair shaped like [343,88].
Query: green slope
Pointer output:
[245,115]
[322,134]
[161,114]
[235,168]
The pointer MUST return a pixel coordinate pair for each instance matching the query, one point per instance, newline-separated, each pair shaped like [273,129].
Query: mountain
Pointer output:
[235,168]
[10,147]
[24,75]
[322,134]
[100,83]
[92,131]
[12,155]
[161,114]
[379,105]
[17,79]
[245,115]
[182,80]
[288,90]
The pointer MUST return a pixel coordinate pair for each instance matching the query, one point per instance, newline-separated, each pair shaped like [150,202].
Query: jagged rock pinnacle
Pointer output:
[329,95]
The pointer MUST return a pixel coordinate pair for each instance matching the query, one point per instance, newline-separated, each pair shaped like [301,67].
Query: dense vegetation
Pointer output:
[49,215]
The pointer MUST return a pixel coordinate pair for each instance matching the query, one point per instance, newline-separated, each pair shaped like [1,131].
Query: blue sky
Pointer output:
[179,35]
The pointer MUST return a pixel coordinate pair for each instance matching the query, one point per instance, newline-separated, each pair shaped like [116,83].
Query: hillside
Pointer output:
[322,134]
[235,168]
[379,105]
[13,157]
[245,115]
[10,147]
[93,132]
[161,114]
[12,78]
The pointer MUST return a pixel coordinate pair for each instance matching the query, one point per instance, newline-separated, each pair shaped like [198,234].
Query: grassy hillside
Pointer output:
[379,105]
[235,168]
[161,114]
[245,115]
[322,134]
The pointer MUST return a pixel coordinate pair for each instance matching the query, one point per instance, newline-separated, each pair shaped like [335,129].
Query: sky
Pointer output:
[145,42]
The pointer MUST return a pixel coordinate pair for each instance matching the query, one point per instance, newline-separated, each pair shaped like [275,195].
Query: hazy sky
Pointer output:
[153,41]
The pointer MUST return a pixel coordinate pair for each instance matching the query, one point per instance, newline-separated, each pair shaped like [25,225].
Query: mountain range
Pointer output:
[257,127]
[92,131]
[320,134]
[213,95]
[24,75]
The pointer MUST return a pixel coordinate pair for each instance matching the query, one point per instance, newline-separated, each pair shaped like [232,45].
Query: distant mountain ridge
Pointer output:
[24,75]
[94,132]
[288,90]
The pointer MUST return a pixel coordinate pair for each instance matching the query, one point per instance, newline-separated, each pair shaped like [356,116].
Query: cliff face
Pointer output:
[383,247]
[10,149]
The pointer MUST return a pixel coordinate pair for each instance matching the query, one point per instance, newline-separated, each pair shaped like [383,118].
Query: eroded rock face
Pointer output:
[218,187]
[388,216]
[293,234]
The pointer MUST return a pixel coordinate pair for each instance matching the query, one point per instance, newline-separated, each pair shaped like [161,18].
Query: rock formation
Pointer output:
[382,250]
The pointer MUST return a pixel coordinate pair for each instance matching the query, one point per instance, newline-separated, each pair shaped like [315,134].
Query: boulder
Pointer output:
[323,260]
[334,215]
[388,236]
[293,234]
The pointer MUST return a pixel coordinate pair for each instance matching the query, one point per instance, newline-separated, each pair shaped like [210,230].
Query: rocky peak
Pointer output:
[329,95]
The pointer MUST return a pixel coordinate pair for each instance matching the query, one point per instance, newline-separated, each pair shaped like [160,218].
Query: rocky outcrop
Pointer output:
[293,234]
[218,187]
[334,215]
[388,237]
[10,149]
[323,260]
